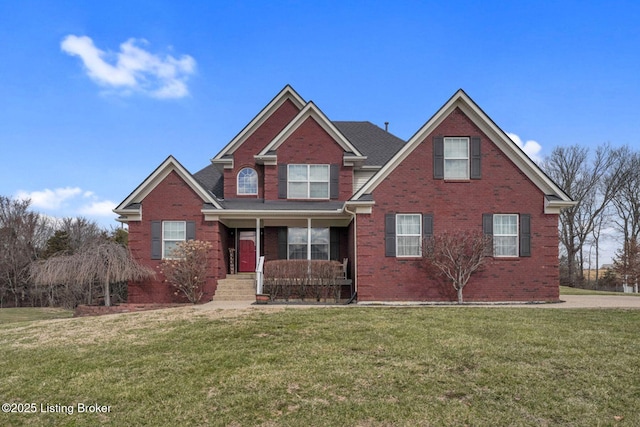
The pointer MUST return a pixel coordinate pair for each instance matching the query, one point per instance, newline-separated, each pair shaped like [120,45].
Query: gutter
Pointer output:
[355,253]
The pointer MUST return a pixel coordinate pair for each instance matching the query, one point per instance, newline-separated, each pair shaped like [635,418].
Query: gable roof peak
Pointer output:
[286,94]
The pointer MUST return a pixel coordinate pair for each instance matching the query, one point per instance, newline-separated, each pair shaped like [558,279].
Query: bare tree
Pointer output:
[186,269]
[457,255]
[592,184]
[102,262]
[22,234]
[627,262]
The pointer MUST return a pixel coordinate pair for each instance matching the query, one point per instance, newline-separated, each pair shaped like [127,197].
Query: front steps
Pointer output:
[237,287]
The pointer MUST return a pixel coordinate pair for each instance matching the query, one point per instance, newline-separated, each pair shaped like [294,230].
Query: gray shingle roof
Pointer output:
[212,179]
[375,143]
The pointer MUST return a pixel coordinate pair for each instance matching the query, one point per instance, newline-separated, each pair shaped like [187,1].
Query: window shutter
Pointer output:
[487,229]
[282,243]
[282,182]
[475,158]
[427,225]
[191,230]
[156,239]
[334,188]
[525,235]
[438,157]
[334,244]
[390,235]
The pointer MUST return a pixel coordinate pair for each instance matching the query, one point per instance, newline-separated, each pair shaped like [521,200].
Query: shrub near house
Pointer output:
[295,185]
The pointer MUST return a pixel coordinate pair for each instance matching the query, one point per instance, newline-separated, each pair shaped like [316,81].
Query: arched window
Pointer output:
[247,181]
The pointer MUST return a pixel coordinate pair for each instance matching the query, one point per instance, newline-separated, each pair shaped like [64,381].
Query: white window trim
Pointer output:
[184,223]
[445,158]
[516,235]
[419,235]
[309,243]
[309,181]
[238,182]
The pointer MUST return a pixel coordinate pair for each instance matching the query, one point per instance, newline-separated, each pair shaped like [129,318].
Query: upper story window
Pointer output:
[308,182]
[248,181]
[456,158]
[173,232]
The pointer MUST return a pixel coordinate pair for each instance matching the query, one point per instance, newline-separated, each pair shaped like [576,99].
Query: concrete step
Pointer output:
[238,287]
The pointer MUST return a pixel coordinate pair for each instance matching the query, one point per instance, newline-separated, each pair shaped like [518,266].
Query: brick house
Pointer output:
[295,185]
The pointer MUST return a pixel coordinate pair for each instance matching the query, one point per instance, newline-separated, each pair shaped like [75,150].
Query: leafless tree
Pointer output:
[627,262]
[22,234]
[100,262]
[457,255]
[592,183]
[186,269]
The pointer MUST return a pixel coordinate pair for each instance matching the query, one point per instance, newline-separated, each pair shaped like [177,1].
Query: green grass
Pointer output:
[352,366]
[567,290]
[27,314]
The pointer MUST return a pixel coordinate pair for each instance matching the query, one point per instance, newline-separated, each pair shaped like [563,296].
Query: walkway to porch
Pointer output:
[236,287]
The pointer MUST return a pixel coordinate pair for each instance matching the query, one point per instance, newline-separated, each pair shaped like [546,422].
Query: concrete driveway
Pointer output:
[596,301]
[568,301]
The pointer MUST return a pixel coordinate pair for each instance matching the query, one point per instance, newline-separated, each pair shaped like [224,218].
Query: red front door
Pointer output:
[247,252]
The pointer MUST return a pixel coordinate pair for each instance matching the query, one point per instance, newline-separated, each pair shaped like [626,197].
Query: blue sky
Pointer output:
[95,95]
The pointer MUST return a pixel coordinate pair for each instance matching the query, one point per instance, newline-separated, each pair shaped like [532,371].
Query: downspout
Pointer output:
[355,254]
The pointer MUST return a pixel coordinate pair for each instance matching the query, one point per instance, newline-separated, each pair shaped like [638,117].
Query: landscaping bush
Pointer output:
[303,279]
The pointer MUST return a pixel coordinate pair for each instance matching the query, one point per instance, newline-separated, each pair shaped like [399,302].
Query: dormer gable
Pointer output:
[286,95]
[352,156]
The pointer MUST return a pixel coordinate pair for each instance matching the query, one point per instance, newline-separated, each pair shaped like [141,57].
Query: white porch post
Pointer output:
[309,239]
[257,241]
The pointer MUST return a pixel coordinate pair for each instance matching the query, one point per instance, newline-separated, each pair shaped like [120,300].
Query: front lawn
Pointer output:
[345,366]
[27,314]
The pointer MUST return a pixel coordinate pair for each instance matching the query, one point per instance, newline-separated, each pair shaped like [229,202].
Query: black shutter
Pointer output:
[282,243]
[334,181]
[156,239]
[390,235]
[487,229]
[475,158]
[427,225]
[191,230]
[525,235]
[282,182]
[334,244]
[438,157]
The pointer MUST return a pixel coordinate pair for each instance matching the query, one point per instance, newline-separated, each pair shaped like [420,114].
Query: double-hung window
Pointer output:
[456,158]
[505,235]
[173,232]
[298,243]
[308,181]
[408,235]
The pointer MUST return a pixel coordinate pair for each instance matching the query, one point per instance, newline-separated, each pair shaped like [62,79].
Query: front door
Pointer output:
[247,252]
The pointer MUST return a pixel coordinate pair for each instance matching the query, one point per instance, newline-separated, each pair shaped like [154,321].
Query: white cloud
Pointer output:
[70,202]
[133,68]
[98,208]
[531,148]
[49,199]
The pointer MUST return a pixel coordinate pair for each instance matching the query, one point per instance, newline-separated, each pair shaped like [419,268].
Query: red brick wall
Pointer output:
[309,144]
[243,156]
[172,199]
[410,188]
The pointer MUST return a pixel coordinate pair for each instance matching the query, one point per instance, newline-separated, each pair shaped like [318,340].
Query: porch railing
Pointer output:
[260,275]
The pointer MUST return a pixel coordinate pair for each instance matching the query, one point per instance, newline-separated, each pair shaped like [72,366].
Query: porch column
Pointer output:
[257,241]
[309,239]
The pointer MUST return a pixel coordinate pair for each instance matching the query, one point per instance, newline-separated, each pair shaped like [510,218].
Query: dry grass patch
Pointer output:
[331,366]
